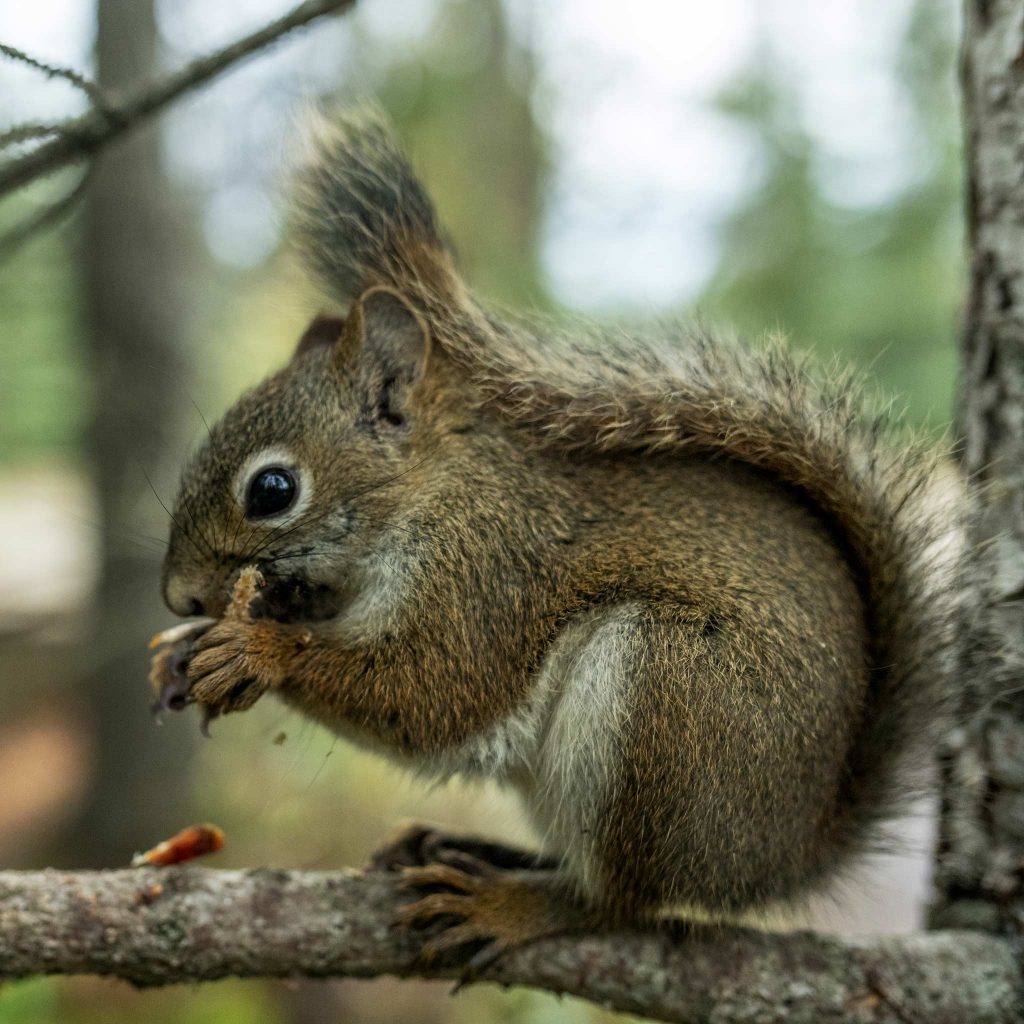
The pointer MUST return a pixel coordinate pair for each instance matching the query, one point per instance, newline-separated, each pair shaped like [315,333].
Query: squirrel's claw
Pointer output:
[479,905]
[459,910]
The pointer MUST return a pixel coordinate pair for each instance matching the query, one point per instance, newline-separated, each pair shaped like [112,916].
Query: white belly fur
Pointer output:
[560,747]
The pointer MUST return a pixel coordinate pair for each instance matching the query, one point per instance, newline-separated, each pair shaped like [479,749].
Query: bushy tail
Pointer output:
[820,433]
[367,220]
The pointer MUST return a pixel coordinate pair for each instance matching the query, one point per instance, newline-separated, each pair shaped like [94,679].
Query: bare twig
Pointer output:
[82,137]
[25,133]
[153,927]
[91,89]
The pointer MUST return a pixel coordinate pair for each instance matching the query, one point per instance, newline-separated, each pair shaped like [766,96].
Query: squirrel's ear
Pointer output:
[324,330]
[393,344]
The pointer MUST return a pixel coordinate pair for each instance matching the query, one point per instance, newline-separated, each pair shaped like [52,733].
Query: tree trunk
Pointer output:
[982,823]
[131,279]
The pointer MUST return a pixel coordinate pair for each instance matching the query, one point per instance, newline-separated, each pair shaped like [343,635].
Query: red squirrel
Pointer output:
[680,594]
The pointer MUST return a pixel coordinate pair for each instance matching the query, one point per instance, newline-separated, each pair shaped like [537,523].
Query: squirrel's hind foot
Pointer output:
[481,912]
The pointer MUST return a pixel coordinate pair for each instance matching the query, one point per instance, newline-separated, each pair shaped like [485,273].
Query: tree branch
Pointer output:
[25,132]
[91,89]
[83,137]
[153,927]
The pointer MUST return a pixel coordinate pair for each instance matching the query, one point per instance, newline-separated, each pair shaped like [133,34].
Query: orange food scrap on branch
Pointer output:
[189,843]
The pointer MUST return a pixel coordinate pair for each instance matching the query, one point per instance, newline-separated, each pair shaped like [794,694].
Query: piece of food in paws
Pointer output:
[189,843]
[249,584]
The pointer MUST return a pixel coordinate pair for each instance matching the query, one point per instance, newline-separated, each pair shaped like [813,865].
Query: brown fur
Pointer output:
[490,484]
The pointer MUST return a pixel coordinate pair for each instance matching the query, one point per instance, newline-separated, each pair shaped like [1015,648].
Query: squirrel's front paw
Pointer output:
[235,663]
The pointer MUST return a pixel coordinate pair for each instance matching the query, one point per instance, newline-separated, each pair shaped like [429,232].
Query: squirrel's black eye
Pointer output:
[271,491]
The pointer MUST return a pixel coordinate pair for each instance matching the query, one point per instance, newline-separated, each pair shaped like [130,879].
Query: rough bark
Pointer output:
[982,826]
[157,927]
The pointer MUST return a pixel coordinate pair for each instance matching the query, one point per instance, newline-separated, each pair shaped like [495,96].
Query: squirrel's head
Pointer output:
[304,471]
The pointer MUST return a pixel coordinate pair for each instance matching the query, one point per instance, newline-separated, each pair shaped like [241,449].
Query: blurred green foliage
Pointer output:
[43,391]
[48,1001]
[880,285]
[462,104]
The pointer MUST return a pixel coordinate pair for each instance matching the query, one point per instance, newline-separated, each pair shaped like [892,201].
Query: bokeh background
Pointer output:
[778,165]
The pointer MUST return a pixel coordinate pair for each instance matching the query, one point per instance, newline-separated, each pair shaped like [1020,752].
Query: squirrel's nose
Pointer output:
[186,596]
[178,598]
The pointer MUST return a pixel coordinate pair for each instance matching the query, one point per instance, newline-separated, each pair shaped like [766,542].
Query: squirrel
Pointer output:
[681,594]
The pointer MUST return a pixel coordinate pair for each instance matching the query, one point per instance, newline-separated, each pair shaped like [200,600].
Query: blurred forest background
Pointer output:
[773,164]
